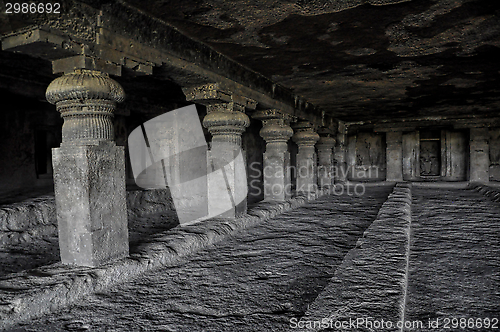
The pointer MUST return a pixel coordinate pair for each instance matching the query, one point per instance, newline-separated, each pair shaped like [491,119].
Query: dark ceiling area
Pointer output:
[358,60]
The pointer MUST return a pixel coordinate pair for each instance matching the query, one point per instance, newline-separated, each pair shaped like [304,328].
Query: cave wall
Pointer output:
[254,147]
[28,130]
[366,158]
[494,168]
[435,155]
[454,155]
[426,154]
[411,156]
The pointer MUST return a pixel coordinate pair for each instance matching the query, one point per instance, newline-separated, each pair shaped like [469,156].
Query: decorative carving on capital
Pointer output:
[213,93]
[226,125]
[86,100]
[326,141]
[304,134]
[276,128]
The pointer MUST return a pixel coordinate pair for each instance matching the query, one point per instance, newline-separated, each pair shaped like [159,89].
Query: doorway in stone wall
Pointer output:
[430,153]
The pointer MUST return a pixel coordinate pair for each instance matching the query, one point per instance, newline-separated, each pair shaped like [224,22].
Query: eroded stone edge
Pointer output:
[28,294]
[492,193]
[372,279]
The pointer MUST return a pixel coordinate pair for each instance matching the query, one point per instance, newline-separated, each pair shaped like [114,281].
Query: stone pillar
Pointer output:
[89,170]
[306,138]
[325,147]
[340,154]
[226,121]
[479,159]
[394,156]
[276,132]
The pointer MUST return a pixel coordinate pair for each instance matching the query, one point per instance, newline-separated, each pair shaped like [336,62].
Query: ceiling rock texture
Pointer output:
[358,60]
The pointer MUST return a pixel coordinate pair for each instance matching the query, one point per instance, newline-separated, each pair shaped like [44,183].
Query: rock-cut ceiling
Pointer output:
[358,60]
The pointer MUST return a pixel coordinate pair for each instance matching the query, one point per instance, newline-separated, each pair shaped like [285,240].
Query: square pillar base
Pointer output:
[306,175]
[89,184]
[227,183]
[277,181]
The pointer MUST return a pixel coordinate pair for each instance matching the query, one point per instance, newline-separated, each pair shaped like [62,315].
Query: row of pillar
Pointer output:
[89,174]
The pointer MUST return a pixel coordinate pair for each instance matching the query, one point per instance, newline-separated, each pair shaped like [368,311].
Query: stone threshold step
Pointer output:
[33,293]
[371,282]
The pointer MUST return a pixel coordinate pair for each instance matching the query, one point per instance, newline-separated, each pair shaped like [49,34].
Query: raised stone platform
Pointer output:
[454,267]
[29,294]
[34,218]
[371,282]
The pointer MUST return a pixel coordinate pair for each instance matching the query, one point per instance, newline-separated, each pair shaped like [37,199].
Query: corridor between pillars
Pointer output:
[89,170]
[306,138]
[276,132]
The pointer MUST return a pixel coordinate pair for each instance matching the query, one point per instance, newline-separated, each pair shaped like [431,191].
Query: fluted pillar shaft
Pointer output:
[276,169]
[306,138]
[89,170]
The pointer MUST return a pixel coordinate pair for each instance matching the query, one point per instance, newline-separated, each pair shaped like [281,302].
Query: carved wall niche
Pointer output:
[430,153]
[435,155]
[366,156]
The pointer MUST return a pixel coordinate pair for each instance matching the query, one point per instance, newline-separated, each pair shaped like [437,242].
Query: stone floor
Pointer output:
[255,281]
[45,249]
[454,267]
[264,276]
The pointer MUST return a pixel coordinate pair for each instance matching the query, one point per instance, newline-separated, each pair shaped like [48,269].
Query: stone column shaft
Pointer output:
[89,170]
[276,132]
[394,156]
[479,159]
[306,138]
[340,155]
[226,121]
[325,147]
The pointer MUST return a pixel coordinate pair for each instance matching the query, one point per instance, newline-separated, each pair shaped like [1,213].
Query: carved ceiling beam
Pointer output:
[117,35]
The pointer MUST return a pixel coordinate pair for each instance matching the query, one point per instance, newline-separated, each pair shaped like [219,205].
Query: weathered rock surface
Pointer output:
[491,193]
[326,259]
[256,280]
[28,294]
[454,269]
[28,229]
[370,284]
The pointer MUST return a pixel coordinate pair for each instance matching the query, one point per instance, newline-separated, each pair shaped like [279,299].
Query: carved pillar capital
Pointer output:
[86,100]
[226,124]
[226,119]
[326,141]
[276,126]
[304,136]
